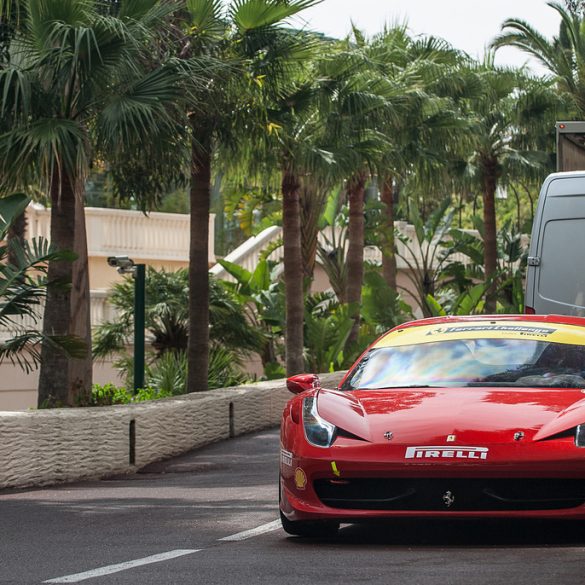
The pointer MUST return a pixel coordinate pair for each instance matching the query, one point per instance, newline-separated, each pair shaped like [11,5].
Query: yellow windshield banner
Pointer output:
[552,332]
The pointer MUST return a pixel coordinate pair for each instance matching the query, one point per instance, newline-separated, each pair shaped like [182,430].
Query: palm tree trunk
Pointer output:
[293,272]
[355,252]
[54,376]
[389,269]
[16,233]
[310,205]
[80,368]
[200,197]
[490,252]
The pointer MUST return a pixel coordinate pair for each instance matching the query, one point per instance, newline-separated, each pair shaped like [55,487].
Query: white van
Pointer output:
[555,279]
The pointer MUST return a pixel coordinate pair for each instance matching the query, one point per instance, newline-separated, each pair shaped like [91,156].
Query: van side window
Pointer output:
[560,279]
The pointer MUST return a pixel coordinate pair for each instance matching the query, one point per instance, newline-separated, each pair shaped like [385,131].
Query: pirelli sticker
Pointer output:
[441,452]
[553,332]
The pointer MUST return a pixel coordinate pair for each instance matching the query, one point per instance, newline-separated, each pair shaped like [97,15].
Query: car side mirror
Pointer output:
[302,382]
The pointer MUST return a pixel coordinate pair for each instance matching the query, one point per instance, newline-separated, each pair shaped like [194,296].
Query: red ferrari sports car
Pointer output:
[454,416]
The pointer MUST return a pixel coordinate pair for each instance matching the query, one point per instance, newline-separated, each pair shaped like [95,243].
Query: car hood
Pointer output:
[430,415]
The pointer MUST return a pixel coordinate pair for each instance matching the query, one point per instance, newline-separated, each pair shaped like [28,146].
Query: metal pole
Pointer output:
[139,302]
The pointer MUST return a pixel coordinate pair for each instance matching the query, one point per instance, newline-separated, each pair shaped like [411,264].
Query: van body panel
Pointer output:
[555,278]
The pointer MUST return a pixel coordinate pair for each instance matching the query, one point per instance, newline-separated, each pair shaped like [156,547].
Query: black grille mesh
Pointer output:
[451,494]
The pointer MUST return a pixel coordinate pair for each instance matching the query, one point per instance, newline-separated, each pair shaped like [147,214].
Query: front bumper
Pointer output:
[342,485]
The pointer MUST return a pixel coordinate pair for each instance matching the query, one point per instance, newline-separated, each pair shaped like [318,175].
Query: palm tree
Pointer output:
[503,148]
[563,56]
[425,138]
[23,286]
[248,36]
[297,146]
[420,140]
[364,104]
[80,83]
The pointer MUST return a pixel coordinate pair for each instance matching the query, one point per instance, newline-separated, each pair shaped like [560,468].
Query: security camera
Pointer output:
[124,264]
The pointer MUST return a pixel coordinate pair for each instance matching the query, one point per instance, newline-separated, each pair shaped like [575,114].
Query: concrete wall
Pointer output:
[18,389]
[44,447]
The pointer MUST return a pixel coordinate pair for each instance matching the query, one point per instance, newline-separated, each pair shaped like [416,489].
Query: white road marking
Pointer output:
[270,527]
[122,566]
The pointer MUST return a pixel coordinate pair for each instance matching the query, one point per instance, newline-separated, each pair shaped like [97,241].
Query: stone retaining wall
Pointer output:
[43,447]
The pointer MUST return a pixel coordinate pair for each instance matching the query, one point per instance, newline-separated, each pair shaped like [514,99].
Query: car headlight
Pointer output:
[318,431]
[580,436]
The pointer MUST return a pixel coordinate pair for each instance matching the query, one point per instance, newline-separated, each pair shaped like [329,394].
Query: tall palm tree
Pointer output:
[563,55]
[364,103]
[506,113]
[389,54]
[424,137]
[80,84]
[297,147]
[248,37]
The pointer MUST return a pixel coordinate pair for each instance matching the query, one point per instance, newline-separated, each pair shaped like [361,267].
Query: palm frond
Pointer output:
[23,348]
[11,206]
[207,19]
[46,144]
[253,14]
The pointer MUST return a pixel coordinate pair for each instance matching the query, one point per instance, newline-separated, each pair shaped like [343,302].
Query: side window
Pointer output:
[560,279]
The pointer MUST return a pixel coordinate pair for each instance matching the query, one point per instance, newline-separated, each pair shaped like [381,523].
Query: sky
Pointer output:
[468,25]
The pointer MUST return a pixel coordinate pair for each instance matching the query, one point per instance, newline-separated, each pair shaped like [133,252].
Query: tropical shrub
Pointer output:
[382,307]
[461,292]
[428,254]
[225,368]
[166,322]
[470,302]
[327,327]
[168,373]
[261,295]
[110,395]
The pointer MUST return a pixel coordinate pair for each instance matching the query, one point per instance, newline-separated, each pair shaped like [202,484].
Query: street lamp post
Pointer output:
[139,303]
[126,265]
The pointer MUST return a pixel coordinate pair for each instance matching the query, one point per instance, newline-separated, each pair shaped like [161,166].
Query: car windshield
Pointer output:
[472,362]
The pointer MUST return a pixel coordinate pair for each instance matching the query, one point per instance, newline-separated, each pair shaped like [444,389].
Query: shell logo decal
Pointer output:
[300,479]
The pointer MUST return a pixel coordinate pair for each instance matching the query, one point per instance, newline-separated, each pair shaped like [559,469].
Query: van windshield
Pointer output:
[473,362]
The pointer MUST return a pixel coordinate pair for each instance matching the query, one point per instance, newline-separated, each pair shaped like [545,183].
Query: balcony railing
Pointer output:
[110,232]
[156,236]
[100,311]
[248,254]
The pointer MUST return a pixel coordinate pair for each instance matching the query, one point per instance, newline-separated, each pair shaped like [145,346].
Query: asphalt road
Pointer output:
[209,517]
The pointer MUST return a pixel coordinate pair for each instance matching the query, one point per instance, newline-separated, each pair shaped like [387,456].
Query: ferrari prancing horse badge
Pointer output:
[448,499]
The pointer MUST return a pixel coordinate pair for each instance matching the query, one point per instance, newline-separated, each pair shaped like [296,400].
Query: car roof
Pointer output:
[553,328]
[560,319]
